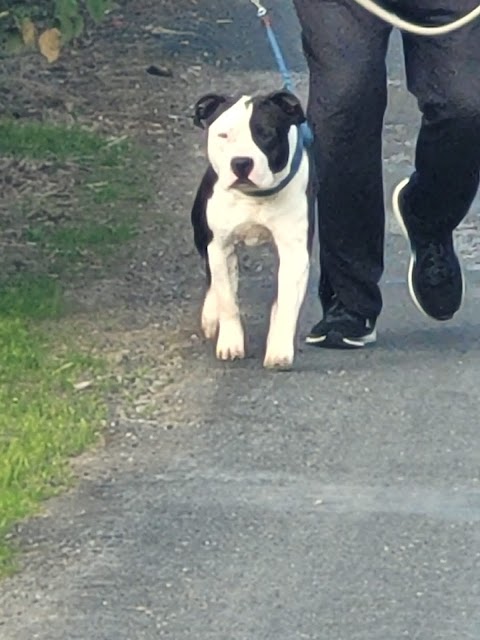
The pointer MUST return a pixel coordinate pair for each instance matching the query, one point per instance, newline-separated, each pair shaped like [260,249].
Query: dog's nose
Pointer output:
[242,167]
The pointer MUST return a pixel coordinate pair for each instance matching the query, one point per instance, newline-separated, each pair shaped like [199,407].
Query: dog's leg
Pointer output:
[223,265]
[210,314]
[233,272]
[292,285]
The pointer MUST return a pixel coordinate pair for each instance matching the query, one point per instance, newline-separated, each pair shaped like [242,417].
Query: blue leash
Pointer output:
[262,13]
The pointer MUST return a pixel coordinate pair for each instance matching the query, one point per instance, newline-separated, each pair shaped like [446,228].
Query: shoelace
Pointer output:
[338,311]
[436,266]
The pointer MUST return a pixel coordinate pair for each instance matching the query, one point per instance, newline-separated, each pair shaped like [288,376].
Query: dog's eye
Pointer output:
[223,135]
[263,132]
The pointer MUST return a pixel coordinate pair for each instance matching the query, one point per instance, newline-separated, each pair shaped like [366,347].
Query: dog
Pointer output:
[258,188]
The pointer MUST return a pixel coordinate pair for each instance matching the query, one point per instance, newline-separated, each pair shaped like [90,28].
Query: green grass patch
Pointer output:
[71,243]
[44,418]
[30,296]
[41,141]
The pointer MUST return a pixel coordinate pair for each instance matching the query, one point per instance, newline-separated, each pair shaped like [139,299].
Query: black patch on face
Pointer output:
[272,117]
[202,234]
[209,107]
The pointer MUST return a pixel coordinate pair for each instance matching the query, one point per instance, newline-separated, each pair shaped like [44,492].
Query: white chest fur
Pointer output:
[236,217]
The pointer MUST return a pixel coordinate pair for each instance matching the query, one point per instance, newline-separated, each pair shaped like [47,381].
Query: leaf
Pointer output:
[49,44]
[72,28]
[78,25]
[13,43]
[66,8]
[69,18]
[97,8]
[29,32]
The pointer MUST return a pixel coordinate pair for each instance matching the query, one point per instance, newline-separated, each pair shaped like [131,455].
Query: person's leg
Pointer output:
[345,48]
[444,75]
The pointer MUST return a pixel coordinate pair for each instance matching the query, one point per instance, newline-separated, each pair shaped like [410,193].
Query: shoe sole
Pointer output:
[335,340]
[413,257]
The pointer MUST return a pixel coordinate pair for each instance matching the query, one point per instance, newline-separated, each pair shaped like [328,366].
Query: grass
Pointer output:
[30,296]
[40,141]
[91,236]
[108,178]
[44,418]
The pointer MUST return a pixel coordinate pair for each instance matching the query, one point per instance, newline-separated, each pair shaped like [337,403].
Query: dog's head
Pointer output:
[249,139]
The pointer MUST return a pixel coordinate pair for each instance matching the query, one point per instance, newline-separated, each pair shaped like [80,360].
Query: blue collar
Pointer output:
[294,167]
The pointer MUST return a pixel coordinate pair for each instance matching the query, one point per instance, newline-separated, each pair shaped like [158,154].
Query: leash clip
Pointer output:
[261,11]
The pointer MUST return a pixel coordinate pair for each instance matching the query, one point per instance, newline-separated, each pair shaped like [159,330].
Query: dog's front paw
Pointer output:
[231,342]
[282,361]
[279,356]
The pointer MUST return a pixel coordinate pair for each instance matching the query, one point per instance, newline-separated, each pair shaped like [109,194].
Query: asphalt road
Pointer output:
[340,501]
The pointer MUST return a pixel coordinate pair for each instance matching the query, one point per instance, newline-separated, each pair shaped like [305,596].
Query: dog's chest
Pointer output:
[251,234]
[240,218]
[253,221]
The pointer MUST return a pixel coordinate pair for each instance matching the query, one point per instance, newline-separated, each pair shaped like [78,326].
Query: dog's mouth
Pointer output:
[243,184]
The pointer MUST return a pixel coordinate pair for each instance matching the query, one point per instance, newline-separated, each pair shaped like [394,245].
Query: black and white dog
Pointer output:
[257,189]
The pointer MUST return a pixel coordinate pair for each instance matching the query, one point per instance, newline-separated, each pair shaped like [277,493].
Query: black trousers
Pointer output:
[345,48]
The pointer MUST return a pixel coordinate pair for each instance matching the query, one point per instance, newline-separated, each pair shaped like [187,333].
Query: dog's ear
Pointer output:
[206,108]
[289,104]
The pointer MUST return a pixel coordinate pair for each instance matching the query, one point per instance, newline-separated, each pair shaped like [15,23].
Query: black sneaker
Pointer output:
[435,277]
[342,329]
